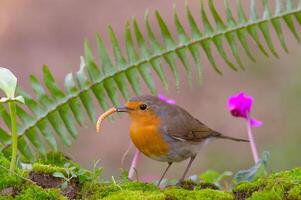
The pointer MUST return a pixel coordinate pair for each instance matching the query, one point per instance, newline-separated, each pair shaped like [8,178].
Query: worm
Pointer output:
[103,116]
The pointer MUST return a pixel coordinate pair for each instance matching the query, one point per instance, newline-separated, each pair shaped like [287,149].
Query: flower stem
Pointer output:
[252,141]
[134,164]
[14,135]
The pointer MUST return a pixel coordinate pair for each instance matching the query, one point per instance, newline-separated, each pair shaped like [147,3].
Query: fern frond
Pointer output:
[56,111]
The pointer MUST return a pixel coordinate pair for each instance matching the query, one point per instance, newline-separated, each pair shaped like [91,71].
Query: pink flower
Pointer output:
[240,106]
[167,100]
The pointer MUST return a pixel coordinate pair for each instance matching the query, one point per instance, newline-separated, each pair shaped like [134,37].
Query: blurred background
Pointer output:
[33,33]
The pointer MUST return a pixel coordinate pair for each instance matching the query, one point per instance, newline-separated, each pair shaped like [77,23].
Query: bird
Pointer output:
[166,132]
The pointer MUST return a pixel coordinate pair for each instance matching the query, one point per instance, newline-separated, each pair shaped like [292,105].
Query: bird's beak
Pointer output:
[122,109]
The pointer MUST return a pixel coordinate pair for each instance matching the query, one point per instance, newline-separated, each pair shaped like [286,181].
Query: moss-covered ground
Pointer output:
[71,182]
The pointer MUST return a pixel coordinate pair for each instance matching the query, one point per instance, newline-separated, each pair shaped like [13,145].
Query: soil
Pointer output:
[45,180]
[49,181]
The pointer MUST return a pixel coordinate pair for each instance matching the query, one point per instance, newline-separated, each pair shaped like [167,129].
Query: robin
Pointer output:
[166,132]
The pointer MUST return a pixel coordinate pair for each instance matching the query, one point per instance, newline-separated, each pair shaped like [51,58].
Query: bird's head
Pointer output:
[143,110]
[144,107]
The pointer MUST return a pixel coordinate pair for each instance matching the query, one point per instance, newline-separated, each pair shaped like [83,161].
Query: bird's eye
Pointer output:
[143,106]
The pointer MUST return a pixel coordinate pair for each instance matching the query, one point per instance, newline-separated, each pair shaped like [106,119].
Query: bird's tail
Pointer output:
[219,135]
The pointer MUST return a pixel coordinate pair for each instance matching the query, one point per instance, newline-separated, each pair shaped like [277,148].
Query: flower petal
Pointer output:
[8,82]
[240,105]
[255,122]
[167,100]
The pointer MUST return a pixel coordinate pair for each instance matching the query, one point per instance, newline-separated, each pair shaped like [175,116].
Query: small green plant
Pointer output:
[255,172]
[8,83]
[214,177]
[69,171]
[115,183]
[68,174]
[93,177]
[125,176]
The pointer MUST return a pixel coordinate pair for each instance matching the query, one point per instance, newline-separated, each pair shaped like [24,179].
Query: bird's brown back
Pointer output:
[179,124]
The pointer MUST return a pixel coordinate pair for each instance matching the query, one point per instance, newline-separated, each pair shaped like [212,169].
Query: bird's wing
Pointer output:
[182,126]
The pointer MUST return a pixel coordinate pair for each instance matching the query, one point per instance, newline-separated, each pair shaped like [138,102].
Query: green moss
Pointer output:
[246,189]
[281,185]
[275,186]
[9,179]
[265,195]
[295,193]
[47,169]
[286,179]
[6,198]
[206,194]
[135,195]
[97,191]
[38,193]
[137,191]
[294,174]
[139,186]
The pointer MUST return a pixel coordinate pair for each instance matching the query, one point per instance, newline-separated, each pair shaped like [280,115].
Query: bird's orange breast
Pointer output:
[146,136]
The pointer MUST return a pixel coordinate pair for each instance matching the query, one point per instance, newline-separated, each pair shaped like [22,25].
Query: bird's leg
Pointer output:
[187,168]
[169,164]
